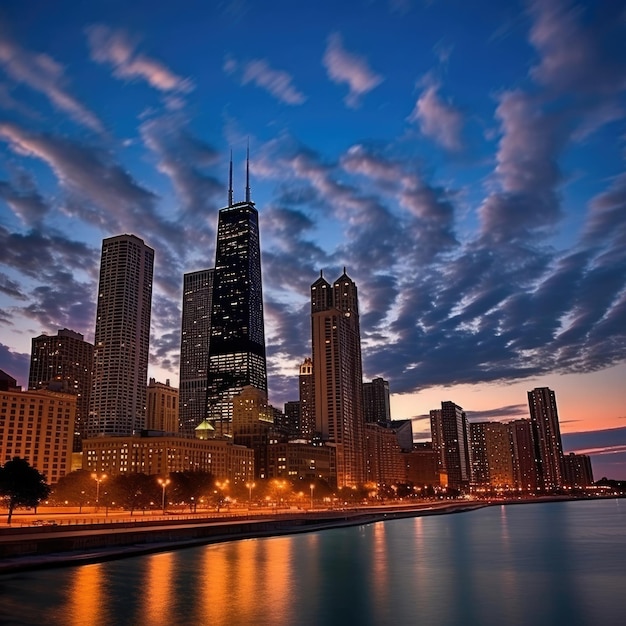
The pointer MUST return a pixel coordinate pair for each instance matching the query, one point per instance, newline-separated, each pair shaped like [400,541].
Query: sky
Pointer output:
[463,160]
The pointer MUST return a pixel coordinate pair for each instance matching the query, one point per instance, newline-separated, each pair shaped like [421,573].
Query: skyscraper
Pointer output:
[450,438]
[64,362]
[376,404]
[337,374]
[194,348]
[237,336]
[307,400]
[120,370]
[544,418]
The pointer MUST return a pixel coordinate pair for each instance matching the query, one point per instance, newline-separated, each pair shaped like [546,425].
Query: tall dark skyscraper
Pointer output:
[237,338]
[451,442]
[122,338]
[376,403]
[338,375]
[544,419]
[64,362]
[194,349]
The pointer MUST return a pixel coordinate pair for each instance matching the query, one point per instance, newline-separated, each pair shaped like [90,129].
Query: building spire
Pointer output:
[248,172]
[230,181]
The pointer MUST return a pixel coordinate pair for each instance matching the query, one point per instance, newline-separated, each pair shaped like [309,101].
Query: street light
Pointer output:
[164,482]
[250,487]
[311,487]
[98,480]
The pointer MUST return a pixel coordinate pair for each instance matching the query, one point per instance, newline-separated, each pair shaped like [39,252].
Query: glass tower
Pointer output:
[237,336]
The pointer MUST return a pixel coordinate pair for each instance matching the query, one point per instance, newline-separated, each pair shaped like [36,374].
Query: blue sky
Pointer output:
[464,161]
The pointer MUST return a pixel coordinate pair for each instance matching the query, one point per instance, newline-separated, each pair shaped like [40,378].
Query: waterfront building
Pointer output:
[384,463]
[38,425]
[161,407]
[120,366]
[524,459]
[194,348]
[291,423]
[300,460]
[64,363]
[577,470]
[159,455]
[307,400]
[237,335]
[480,459]
[421,466]
[436,430]
[376,404]
[453,444]
[337,374]
[544,418]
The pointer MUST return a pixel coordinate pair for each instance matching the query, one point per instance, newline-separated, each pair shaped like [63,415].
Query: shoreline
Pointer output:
[26,550]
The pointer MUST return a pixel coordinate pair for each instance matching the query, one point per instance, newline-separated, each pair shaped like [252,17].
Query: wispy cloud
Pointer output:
[117,48]
[278,83]
[346,67]
[45,75]
[437,119]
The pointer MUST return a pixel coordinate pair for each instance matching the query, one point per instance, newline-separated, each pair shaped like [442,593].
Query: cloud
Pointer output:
[42,73]
[438,120]
[345,67]
[24,200]
[15,364]
[278,83]
[117,48]
[499,414]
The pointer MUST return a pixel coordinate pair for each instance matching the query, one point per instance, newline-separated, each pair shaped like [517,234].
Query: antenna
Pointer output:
[230,181]
[248,172]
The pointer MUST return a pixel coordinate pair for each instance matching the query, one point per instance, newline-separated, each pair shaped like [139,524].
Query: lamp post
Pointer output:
[164,482]
[311,486]
[98,480]
[250,487]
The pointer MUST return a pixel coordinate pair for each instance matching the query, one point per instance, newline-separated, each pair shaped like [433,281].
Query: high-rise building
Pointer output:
[194,349]
[376,405]
[337,374]
[307,400]
[291,420]
[63,363]
[524,459]
[454,446]
[544,418]
[577,471]
[161,407]
[237,338]
[38,426]
[120,366]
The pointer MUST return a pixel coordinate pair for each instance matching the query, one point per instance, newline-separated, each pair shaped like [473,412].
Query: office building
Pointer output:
[384,463]
[237,336]
[376,405]
[38,425]
[421,466]
[524,459]
[307,400]
[120,366]
[303,461]
[450,436]
[64,363]
[194,349]
[337,374]
[161,407]
[544,418]
[577,472]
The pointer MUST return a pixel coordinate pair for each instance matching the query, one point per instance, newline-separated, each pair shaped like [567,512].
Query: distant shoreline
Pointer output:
[34,548]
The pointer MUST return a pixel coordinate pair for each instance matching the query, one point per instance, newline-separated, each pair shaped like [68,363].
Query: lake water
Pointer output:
[537,564]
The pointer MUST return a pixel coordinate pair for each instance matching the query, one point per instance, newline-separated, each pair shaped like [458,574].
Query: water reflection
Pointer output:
[86,602]
[158,594]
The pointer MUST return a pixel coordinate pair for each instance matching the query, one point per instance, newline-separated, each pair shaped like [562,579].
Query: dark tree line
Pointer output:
[21,485]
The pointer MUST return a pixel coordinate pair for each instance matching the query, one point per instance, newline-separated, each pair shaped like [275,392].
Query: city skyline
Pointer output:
[463,163]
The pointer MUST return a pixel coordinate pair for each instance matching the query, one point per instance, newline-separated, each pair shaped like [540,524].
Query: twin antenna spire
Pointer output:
[230,177]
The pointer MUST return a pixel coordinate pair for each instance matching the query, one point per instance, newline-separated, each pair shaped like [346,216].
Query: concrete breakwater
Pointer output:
[37,547]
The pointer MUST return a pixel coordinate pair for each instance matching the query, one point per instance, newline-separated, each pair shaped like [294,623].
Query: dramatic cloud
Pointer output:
[345,67]
[437,119]
[116,48]
[276,82]
[45,75]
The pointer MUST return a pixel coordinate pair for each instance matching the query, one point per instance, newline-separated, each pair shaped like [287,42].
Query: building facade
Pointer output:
[64,363]
[544,419]
[307,400]
[237,337]
[454,446]
[161,407]
[524,459]
[301,461]
[122,337]
[384,463]
[194,348]
[160,455]
[337,375]
[38,426]
[376,404]
[577,471]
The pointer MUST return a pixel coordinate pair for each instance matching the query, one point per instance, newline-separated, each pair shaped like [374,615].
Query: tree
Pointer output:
[21,485]
[133,491]
[76,488]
